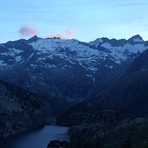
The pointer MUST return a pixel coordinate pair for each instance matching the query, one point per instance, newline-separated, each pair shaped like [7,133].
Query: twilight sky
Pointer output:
[84,20]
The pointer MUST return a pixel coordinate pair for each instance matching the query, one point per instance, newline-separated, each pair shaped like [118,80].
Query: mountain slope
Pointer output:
[20,110]
[126,87]
[65,71]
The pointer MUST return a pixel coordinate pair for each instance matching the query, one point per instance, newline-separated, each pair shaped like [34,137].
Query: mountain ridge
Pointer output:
[65,71]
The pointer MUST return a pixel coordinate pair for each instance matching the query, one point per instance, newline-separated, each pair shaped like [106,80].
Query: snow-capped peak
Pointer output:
[87,55]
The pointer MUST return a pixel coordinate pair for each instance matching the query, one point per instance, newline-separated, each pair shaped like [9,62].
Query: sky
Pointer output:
[85,20]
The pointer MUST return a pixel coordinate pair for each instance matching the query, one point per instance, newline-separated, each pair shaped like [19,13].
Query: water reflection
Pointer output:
[37,138]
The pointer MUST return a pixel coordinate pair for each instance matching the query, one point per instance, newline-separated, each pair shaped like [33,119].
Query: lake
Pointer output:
[37,138]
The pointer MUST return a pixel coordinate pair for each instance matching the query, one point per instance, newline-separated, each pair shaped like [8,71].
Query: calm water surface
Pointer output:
[38,138]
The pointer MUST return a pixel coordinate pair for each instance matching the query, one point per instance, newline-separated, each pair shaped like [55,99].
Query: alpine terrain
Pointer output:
[95,86]
[65,71]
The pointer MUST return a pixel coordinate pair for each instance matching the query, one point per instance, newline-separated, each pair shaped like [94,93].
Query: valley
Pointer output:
[99,87]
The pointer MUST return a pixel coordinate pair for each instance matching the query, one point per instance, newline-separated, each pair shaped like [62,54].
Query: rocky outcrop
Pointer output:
[78,114]
[91,126]
[89,112]
[131,133]
[20,110]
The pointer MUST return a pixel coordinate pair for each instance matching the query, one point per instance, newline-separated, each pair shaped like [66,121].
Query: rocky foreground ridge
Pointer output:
[97,128]
[20,110]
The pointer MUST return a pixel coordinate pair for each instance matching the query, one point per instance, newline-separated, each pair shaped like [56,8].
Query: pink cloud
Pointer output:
[28,30]
[69,32]
[66,35]
[58,35]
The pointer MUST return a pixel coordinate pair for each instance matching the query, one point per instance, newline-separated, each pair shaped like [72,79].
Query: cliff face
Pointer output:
[20,110]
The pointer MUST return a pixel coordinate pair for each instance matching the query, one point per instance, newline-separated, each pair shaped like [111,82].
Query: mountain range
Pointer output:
[110,72]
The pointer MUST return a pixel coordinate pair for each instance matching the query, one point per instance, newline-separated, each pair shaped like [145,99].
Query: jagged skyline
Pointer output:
[82,20]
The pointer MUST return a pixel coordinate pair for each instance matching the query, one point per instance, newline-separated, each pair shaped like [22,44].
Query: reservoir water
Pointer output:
[37,138]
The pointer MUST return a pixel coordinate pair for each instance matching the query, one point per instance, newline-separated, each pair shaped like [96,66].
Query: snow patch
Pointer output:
[89,75]
[92,68]
[109,66]
[50,66]
[138,40]
[14,51]
[96,42]
[18,58]
[33,65]
[2,63]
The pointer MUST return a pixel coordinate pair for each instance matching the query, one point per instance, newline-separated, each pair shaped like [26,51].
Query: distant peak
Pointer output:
[136,38]
[33,39]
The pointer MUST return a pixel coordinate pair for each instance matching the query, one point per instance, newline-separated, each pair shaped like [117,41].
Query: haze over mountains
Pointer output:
[110,72]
